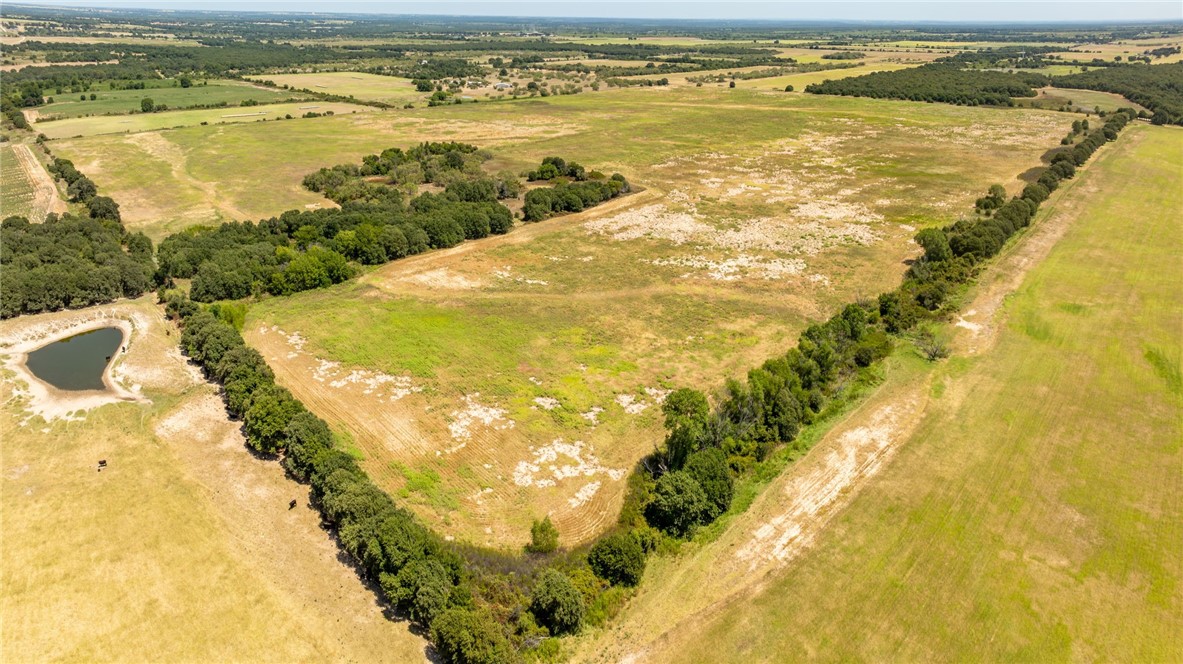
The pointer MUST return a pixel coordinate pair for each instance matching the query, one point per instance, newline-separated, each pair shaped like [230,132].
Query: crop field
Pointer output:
[183,548]
[27,189]
[369,87]
[126,124]
[519,376]
[17,196]
[1032,509]
[112,102]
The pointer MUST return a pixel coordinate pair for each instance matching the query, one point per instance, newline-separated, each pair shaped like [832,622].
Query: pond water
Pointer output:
[77,363]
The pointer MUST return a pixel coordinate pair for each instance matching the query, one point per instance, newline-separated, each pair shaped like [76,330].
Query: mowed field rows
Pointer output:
[520,376]
[26,188]
[1034,511]
[183,547]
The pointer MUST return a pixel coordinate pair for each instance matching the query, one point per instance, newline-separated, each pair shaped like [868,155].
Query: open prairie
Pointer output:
[183,547]
[121,102]
[1026,513]
[370,87]
[518,376]
[128,124]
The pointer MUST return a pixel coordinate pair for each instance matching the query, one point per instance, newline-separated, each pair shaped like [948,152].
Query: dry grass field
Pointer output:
[518,376]
[369,87]
[28,190]
[183,547]
[1019,502]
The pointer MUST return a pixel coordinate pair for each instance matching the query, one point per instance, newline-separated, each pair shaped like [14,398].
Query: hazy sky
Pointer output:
[932,10]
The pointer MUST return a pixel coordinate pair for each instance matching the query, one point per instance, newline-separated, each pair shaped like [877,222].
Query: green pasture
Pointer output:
[111,102]
[1036,513]
[116,124]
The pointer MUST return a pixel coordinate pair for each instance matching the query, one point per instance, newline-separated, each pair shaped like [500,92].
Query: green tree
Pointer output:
[556,603]
[103,208]
[618,559]
[686,415]
[464,636]
[544,537]
[709,468]
[146,104]
[935,243]
[271,411]
[679,504]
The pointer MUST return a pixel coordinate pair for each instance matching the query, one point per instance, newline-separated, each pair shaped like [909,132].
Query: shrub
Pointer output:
[618,559]
[463,636]
[544,537]
[556,603]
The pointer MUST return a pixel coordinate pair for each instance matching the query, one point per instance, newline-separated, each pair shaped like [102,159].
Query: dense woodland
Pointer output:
[71,261]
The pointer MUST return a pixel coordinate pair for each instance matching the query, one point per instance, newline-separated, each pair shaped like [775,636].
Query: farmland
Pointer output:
[121,102]
[594,317]
[1022,516]
[369,87]
[19,191]
[625,341]
[126,124]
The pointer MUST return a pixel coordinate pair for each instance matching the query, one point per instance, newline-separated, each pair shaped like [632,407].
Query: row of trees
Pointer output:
[689,480]
[477,607]
[418,573]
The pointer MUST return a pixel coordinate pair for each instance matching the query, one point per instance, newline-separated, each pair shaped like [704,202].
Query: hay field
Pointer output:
[110,102]
[27,189]
[183,547]
[125,124]
[465,375]
[18,194]
[1032,512]
[370,87]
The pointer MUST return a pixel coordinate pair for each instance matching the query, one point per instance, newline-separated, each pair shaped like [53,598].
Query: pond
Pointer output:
[78,362]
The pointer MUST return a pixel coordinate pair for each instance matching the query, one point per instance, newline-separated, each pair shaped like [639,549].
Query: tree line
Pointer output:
[1157,87]
[689,481]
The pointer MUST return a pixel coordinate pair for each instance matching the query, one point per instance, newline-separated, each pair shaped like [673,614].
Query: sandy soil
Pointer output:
[21,336]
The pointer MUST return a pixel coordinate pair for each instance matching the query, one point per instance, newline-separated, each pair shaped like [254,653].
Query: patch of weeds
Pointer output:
[1166,368]
[426,487]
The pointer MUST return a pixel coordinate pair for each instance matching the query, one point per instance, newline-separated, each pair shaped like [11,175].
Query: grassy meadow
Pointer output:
[125,124]
[1033,512]
[120,102]
[369,87]
[760,214]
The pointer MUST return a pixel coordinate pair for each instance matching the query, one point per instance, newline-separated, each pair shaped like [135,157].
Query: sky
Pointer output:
[790,10]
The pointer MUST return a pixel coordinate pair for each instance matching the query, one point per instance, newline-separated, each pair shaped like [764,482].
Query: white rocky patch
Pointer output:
[474,413]
[546,403]
[545,470]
